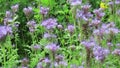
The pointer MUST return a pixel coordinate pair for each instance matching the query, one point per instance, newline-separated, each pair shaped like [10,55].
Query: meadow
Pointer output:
[59,33]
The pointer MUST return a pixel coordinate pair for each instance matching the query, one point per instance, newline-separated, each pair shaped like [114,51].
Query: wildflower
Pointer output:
[44,10]
[116,52]
[8,14]
[103,5]
[25,62]
[95,22]
[32,25]
[71,28]
[47,35]
[99,13]
[27,11]
[59,26]
[59,58]
[88,44]
[49,23]
[75,2]
[85,8]
[4,31]
[46,61]
[100,53]
[39,65]
[52,47]
[63,63]
[15,8]
[36,47]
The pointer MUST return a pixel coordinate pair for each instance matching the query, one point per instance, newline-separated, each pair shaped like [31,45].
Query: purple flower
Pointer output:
[59,58]
[8,14]
[7,21]
[49,23]
[112,31]
[88,44]
[47,35]
[15,8]
[59,26]
[4,30]
[84,15]
[39,65]
[32,25]
[44,10]
[24,61]
[117,2]
[75,2]
[36,47]
[63,63]
[99,13]
[52,47]
[116,52]
[85,8]
[27,11]
[46,61]
[95,22]
[71,28]
[100,53]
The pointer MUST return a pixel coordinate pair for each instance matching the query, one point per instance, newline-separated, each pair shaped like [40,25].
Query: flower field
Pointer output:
[60,34]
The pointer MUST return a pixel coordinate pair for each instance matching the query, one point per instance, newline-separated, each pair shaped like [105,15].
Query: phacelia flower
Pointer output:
[116,52]
[75,2]
[4,31]
[15,8]
[36,47]
[85,8]
[52,47]
[59,26]
[24,62]
[100,53]
[95,22]
[47,35]
[44,10]
[99,13]
[8,14]
[28,11]
[32,25]
[71,28]
[88,44]
[49,23]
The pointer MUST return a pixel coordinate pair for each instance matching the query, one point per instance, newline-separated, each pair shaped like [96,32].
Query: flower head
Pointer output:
[52,47]
[100,53]
[75,2]
[15,8]
[49,23]
[27,11]
[71,28]
[32,25]
[44,10]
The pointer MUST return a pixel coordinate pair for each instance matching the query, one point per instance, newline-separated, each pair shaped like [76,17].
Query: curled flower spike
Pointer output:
[27,11]
[15,8]
[32,25]
[44,10]
[8,14]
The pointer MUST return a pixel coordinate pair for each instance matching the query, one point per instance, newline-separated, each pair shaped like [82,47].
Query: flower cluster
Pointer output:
[49,23]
